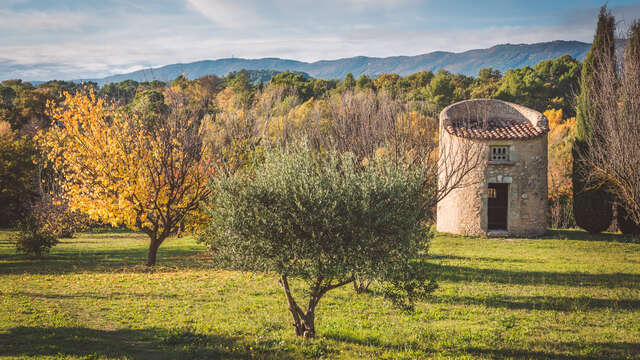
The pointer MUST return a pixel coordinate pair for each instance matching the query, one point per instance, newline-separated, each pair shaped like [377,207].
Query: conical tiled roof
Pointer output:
[489,119]
[499,129]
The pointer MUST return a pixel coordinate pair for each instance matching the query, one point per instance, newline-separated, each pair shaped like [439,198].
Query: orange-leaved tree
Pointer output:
[147,172]
[561,137]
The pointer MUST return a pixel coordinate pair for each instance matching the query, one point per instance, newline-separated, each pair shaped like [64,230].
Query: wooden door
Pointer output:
[498,206]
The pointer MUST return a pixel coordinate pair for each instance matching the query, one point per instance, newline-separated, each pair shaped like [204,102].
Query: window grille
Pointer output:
[499,153]
[492,193]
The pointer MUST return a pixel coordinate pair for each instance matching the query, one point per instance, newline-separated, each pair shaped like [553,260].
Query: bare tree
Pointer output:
[233,133]
[613,152]
[369,125]
[363,122]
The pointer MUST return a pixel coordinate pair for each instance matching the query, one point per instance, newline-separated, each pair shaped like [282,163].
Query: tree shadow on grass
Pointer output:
[152,343]
[558,351]
[540,302]
[104,260]
[345,337]
[566,351]
[576,234]
[475,258]
[467,274]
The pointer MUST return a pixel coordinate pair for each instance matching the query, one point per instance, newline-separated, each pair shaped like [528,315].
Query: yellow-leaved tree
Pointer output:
[144,168]
[561,138]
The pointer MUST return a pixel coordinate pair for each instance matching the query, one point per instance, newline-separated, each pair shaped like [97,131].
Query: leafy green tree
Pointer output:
[441,89]
[386,82]
[411,88]
[486,84]
[364,82]
[7,94]
[349,82]
[301,84]
[325,221]
[240,83]
[149,106]
[21,104]
[524,86]
[57,88]
[548,85]
[321,87]
[17,175]
[562,77]
[122,92]
[593,209]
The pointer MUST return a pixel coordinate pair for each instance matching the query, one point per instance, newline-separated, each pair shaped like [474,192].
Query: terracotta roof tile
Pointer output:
[495,129]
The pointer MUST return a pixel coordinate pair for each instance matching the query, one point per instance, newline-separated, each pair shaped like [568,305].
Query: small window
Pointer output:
[492,193]
[499,153]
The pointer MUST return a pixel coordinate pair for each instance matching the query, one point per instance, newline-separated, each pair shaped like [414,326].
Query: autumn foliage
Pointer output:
[561,137]
[116,168]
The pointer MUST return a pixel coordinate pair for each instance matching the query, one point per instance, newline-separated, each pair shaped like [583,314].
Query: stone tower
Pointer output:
[508,195]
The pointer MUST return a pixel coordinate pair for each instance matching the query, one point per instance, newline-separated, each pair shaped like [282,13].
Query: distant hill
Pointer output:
[501,57]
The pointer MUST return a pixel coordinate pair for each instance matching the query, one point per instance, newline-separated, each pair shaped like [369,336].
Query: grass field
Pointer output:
[568,296]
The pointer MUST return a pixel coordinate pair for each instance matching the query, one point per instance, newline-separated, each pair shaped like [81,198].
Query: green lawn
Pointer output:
[568,296]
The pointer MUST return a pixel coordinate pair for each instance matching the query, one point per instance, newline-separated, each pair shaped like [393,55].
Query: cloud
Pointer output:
[121,36]
[586,18]
[41,20]
[232,14]
[98,59]
[370,4]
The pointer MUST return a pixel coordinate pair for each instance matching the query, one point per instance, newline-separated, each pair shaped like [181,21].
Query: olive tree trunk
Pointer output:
[303,321]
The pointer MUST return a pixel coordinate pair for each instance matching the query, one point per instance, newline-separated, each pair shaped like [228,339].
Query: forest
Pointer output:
[550,87]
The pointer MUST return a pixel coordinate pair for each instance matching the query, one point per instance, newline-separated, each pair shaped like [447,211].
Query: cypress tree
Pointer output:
[592,205]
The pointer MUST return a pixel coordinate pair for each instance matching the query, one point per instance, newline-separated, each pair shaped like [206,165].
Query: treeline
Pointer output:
[551,84]
[291,96]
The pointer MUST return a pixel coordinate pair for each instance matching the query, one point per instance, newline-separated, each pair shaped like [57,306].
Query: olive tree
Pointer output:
[323,218]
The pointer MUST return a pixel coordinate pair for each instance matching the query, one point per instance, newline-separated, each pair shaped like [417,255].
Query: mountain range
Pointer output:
[501,57]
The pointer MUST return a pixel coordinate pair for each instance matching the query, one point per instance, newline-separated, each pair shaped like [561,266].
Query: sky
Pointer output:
[66,39]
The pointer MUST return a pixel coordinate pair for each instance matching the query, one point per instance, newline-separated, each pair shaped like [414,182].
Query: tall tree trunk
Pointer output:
[153,250]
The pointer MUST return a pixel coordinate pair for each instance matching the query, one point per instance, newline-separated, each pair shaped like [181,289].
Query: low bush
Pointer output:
[34,237]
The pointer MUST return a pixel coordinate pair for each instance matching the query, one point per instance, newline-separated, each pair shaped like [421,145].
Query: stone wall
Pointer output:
[464,210]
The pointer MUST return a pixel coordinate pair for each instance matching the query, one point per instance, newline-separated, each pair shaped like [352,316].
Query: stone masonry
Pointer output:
[492,123]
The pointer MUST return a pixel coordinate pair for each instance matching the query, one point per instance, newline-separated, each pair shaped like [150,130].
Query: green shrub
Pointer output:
[34,237]
[326,220]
